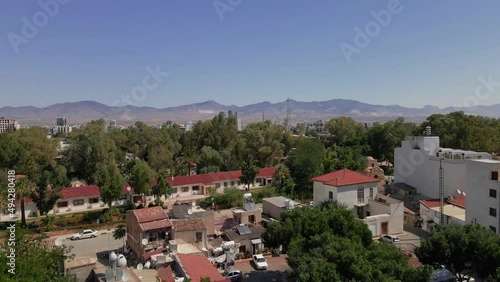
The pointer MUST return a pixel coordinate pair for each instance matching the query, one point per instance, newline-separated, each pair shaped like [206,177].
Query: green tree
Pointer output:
[463,249]
[141,177]
[60,177]
[120,233]
[111,184]
[162,187]
[282,173]
[44,196]
[35,260]
[24,188]
[304,163]
[346,131]
[327,243]
[210,160]
[249,171]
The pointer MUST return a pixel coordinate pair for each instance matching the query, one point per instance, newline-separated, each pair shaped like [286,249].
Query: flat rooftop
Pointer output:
[486,161]
[453,211]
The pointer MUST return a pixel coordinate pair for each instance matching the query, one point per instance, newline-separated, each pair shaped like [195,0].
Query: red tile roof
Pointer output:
[20,176]
[344,177]
[211,178]
[198,266]
[158,224]
[458,201]
[150,214]
[190,224]
[166,274]
[430,203]
[79,192]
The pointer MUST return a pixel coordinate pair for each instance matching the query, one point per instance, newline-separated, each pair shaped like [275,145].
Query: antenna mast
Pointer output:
[441,191]
[288,114]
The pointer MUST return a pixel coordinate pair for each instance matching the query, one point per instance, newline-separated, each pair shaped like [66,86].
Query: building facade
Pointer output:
[8,124]
[483,193]
[417,163]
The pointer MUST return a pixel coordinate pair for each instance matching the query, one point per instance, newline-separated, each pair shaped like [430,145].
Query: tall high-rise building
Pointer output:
[112,123]
[8,124]
[61,121]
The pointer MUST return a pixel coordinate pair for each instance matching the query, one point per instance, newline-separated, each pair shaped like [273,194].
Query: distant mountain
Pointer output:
[84,111]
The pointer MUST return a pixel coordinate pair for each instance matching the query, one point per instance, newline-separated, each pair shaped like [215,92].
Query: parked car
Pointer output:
[234,275]
[260,262]
[87,233]
[389,239]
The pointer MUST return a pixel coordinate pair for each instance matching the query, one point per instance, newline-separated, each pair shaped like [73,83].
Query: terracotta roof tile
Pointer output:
[430,203]
[150,214]
[344,177]
[212,178]
[198,266]
[79,192]
[458,201]
[166,273]
[190,224]
[157,224]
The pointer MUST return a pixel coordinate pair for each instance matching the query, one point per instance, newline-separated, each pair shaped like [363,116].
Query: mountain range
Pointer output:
[84,111]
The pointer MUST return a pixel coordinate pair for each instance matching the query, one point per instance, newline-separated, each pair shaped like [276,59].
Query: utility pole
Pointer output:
[288,114]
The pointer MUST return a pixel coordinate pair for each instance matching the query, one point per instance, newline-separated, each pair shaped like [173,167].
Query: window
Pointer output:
[93,200]
[225,184]
[174,190]
[196,188]
[493,193]
[494,175]
[232,183]
[330,195]
[217,185]
[62,204]
[493,212]
[361,194]
[78,202]
[371,193]
[185,189]
[493,228]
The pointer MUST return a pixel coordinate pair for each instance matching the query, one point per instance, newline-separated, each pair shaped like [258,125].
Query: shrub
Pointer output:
[130,206]
[61,223]
[50,227]
[46,221]
[102,219]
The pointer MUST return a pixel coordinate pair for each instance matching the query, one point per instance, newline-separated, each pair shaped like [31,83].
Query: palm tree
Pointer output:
[281,174]
[24,187]
[120,233]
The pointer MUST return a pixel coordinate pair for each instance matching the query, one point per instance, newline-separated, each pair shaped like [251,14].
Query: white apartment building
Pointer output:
[417,162]
[61,129]
[483,186]
[7,123]
[382,215]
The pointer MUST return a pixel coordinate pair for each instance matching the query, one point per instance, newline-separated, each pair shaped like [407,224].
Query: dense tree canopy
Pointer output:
[328,244]
[463,249]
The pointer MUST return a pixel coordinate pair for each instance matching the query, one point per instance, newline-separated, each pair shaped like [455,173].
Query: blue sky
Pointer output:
[430,53]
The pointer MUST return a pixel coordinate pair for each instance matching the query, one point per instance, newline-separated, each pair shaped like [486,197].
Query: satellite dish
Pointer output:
[147,265]
[112,256]
[58,242]
[144,242]
[190,211]
[463,193]
[140,266]
[122,261]
[459,192]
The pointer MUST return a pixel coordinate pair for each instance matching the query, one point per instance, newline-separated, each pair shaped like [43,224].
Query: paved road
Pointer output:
[277,267]
[412,239]
[88,248]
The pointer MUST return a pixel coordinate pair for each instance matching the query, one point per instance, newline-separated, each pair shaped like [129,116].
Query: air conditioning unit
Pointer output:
[69,209]
[102,205]
[89,206]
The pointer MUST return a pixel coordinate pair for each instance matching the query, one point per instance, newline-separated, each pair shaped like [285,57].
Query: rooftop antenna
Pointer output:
[441,192]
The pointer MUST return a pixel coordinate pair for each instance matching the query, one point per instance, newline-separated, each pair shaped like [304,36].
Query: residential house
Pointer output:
[190,231]
[249,238]
[276,205]
[200,184]
[188,210]
[148,229]
[383,215]
[195,267]
[249,214]
[453,211]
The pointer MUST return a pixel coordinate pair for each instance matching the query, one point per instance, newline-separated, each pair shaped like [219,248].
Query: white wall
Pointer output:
[478,200]
[395,212]
[344,194]
[420,168]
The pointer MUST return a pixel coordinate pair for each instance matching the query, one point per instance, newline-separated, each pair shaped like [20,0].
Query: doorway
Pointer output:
[384,227]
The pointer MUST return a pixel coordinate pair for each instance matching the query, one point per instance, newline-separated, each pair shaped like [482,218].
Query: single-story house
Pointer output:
[249,238]
[189,231]
[453,210]
[276,205]
[188,210]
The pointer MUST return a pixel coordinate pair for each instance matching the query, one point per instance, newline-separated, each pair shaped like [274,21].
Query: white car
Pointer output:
[87,233]
[260,262]
[389,239]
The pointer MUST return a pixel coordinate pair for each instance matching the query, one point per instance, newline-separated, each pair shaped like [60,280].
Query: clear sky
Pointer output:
[429,53]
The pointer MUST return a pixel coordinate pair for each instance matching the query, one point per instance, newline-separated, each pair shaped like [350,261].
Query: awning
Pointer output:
[256,241]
